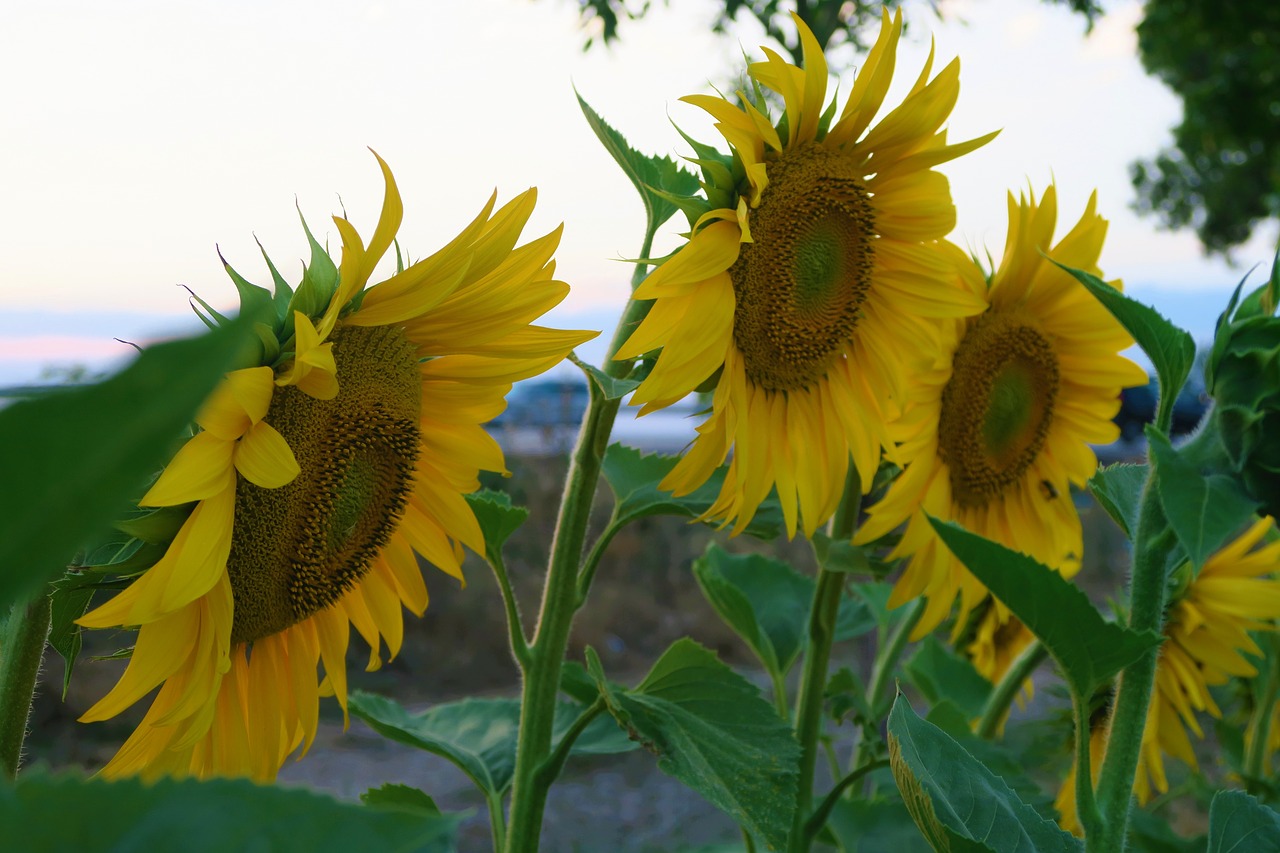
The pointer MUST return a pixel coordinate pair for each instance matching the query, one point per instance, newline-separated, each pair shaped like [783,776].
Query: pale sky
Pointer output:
[137,135]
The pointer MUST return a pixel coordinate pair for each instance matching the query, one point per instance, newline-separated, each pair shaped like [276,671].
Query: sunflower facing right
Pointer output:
[1002,426]
[801,291]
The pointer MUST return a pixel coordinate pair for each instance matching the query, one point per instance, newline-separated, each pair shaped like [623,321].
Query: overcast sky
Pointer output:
[134,136]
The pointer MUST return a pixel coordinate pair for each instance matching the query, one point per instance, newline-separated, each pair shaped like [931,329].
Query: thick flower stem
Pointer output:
[997,706]
[813,680]
[1152,543]
[561,599]
[22,644]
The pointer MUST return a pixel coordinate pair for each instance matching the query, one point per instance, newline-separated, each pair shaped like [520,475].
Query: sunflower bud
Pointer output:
[1244,378]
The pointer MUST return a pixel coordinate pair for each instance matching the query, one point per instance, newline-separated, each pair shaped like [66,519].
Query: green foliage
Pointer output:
[70,599]
[1222,173]
[73,460]
[1238,822]
[957,803]
[940,675]
[878,825]
[1204,508]
[766,602]
[1172,350]
[319,283]
[1088,648]
[634,479]
[658,179]
[1150,834]
[497,517]
[1118,489]
[44,813]
[610,386]
[711,729]
[478,735]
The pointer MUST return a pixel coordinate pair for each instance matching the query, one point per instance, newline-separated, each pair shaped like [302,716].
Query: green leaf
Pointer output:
[711,729]
[1088,648]
[71,596]
[1204,510]
[1118,489]
[1172,350]
[654,177]
[1151,834]
[200,817]
[1238,823]
[957,803]
[634,479]
[74,460]
[841,555]
[939,674]
[402,797]
[611,387]
[497,517]
[478,735]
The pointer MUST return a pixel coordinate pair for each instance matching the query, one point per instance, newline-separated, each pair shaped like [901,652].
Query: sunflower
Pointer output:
[997,643]
[1206,639]
[1000,427]
[804,281]
[1065,801]
[312,479]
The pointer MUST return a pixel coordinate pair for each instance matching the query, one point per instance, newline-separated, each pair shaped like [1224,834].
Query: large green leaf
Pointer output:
[1204,509]
[939,674]
[634,476]
[1088,648]
[655,178]
[43,814]
[497,517]
[878,825]
[957,803]
[478,735]
[1172,350]
[1118,490]
[74,459]
[711,729]
[1239,823]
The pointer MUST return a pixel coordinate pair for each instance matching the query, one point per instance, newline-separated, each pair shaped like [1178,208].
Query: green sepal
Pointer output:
[70,599]
[253,299]
[711,729]
[315,291]
[1088,649]
[957,803]
[283,293]
[611,387]
[210,317]
[157,525]
[1172,350]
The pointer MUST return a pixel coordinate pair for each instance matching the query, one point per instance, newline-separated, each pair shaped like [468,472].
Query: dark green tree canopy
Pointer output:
[1222,173]
[833,22]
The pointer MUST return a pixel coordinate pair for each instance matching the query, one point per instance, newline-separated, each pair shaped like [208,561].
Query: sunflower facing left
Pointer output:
[311,480]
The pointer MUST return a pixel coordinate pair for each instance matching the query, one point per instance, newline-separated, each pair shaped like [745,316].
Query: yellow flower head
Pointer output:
[1206,638]
[999,428]
[313,483]
[801,289]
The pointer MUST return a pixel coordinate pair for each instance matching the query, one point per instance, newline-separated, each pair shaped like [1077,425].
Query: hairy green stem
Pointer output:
[1002,695]
[1086,803]
[1255,759]
[555,762]
[1151,547]
[515,628]
[882,671]
[813,678]
[22,644]
[560,596]
[819,817]
[497,820]
[588,571]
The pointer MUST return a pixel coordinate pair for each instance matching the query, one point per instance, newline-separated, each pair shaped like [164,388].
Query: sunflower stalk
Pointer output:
[1002,695]
[562,596]
[22,644]
[813,680]
[886,664]
[1147,587]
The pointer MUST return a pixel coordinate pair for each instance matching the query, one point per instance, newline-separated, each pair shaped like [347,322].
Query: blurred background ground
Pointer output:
[644,598]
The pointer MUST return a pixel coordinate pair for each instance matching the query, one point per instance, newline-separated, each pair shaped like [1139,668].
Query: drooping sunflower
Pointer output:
[313,478]
[801,290]
[997,643]
[1206,639]
[1000,427]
